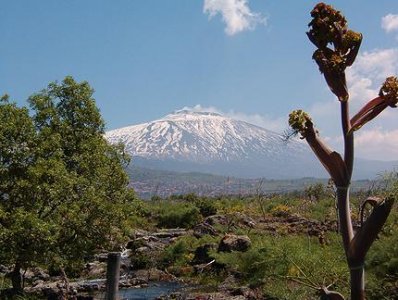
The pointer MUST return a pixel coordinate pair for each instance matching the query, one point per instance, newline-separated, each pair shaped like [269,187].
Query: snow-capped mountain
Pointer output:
[208,142]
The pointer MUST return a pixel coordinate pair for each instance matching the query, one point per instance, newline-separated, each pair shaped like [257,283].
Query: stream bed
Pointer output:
[152,291]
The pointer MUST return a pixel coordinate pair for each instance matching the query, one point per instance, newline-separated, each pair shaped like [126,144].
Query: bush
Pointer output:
[206,207]
[280,211]
[141,261]
[285,266]
[178,215]
[382,262]
[175,254]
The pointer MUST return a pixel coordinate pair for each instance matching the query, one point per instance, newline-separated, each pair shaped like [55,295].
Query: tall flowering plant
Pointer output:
[336,49]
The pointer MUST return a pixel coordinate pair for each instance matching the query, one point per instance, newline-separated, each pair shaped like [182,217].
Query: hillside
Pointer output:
[189,141]
[149,182]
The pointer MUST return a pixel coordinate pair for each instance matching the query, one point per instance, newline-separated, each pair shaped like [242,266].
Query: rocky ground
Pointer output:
[152,243]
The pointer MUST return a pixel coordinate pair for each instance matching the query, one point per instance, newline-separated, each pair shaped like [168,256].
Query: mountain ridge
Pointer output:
[207,142]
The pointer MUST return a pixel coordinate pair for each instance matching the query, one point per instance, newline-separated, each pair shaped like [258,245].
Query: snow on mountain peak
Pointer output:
[202,137]
[186,111]
[189,140]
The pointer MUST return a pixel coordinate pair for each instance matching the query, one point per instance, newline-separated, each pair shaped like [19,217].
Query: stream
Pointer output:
[152,291]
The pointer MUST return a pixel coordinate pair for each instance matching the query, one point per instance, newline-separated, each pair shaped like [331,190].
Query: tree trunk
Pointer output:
[16,278]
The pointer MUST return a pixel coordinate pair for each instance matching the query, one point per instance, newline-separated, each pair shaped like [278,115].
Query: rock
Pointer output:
[232,242]
[170,233]
[216,219]
[101,257]
[139,233]
[293,218]
[33,275]
[95,269]
[142,250]
[228,284]
[88,287]
[136,244]
[138,282]
[202,229]
[40,274]
[51,293]
[245,220]
[4,269]
[149,242]
[152,275]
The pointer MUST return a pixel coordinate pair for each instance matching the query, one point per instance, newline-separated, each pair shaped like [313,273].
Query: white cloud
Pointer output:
[390,23]
[379,138]
[236,14]
[275,124]
[365,79]
[377,144]
[375,65]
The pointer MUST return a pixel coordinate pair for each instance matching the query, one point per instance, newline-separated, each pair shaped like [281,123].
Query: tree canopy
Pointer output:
[63,188]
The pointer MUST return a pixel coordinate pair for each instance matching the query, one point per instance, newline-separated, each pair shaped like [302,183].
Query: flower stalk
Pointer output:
[337,47]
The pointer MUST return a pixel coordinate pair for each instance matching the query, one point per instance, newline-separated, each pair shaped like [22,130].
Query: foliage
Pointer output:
[175,254]
[63,190]
[172,215]
[382,265]
[287,266]
[315,192]
[206,207]
[280,210]
[141,261]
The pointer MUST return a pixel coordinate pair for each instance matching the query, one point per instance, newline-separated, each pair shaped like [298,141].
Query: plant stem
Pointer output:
[357,272]
[348,138]
[346,229]
[357,283]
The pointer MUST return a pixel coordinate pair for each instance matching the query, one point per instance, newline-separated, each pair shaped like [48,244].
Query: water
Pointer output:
[151,292]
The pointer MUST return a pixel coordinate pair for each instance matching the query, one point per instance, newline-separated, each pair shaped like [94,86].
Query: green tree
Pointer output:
[63,189]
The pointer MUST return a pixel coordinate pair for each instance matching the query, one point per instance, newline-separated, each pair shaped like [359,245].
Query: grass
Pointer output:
[284,265]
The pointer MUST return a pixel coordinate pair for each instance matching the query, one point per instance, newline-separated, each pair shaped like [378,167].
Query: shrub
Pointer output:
[179,215]
[280,211]
[288,266]
[206,207]
[175,254]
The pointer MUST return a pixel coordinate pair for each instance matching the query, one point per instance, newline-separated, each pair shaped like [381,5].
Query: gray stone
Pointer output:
[232,242]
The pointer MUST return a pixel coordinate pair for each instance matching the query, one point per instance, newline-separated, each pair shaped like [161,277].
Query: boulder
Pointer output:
[216,219]
[202,229]
[95,269]
[232,242]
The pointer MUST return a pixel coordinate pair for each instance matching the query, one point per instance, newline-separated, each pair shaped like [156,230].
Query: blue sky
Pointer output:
[247,59]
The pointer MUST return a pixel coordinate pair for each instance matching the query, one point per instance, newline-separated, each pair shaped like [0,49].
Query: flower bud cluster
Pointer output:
[300,121]
[389,91]
[329,27]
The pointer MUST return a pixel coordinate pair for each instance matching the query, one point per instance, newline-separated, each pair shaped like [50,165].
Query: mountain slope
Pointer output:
[207,142]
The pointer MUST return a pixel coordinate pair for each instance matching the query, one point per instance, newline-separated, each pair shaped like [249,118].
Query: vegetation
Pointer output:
[285,260]
[63,189]
[290,262]
[337,47]
[64,196]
